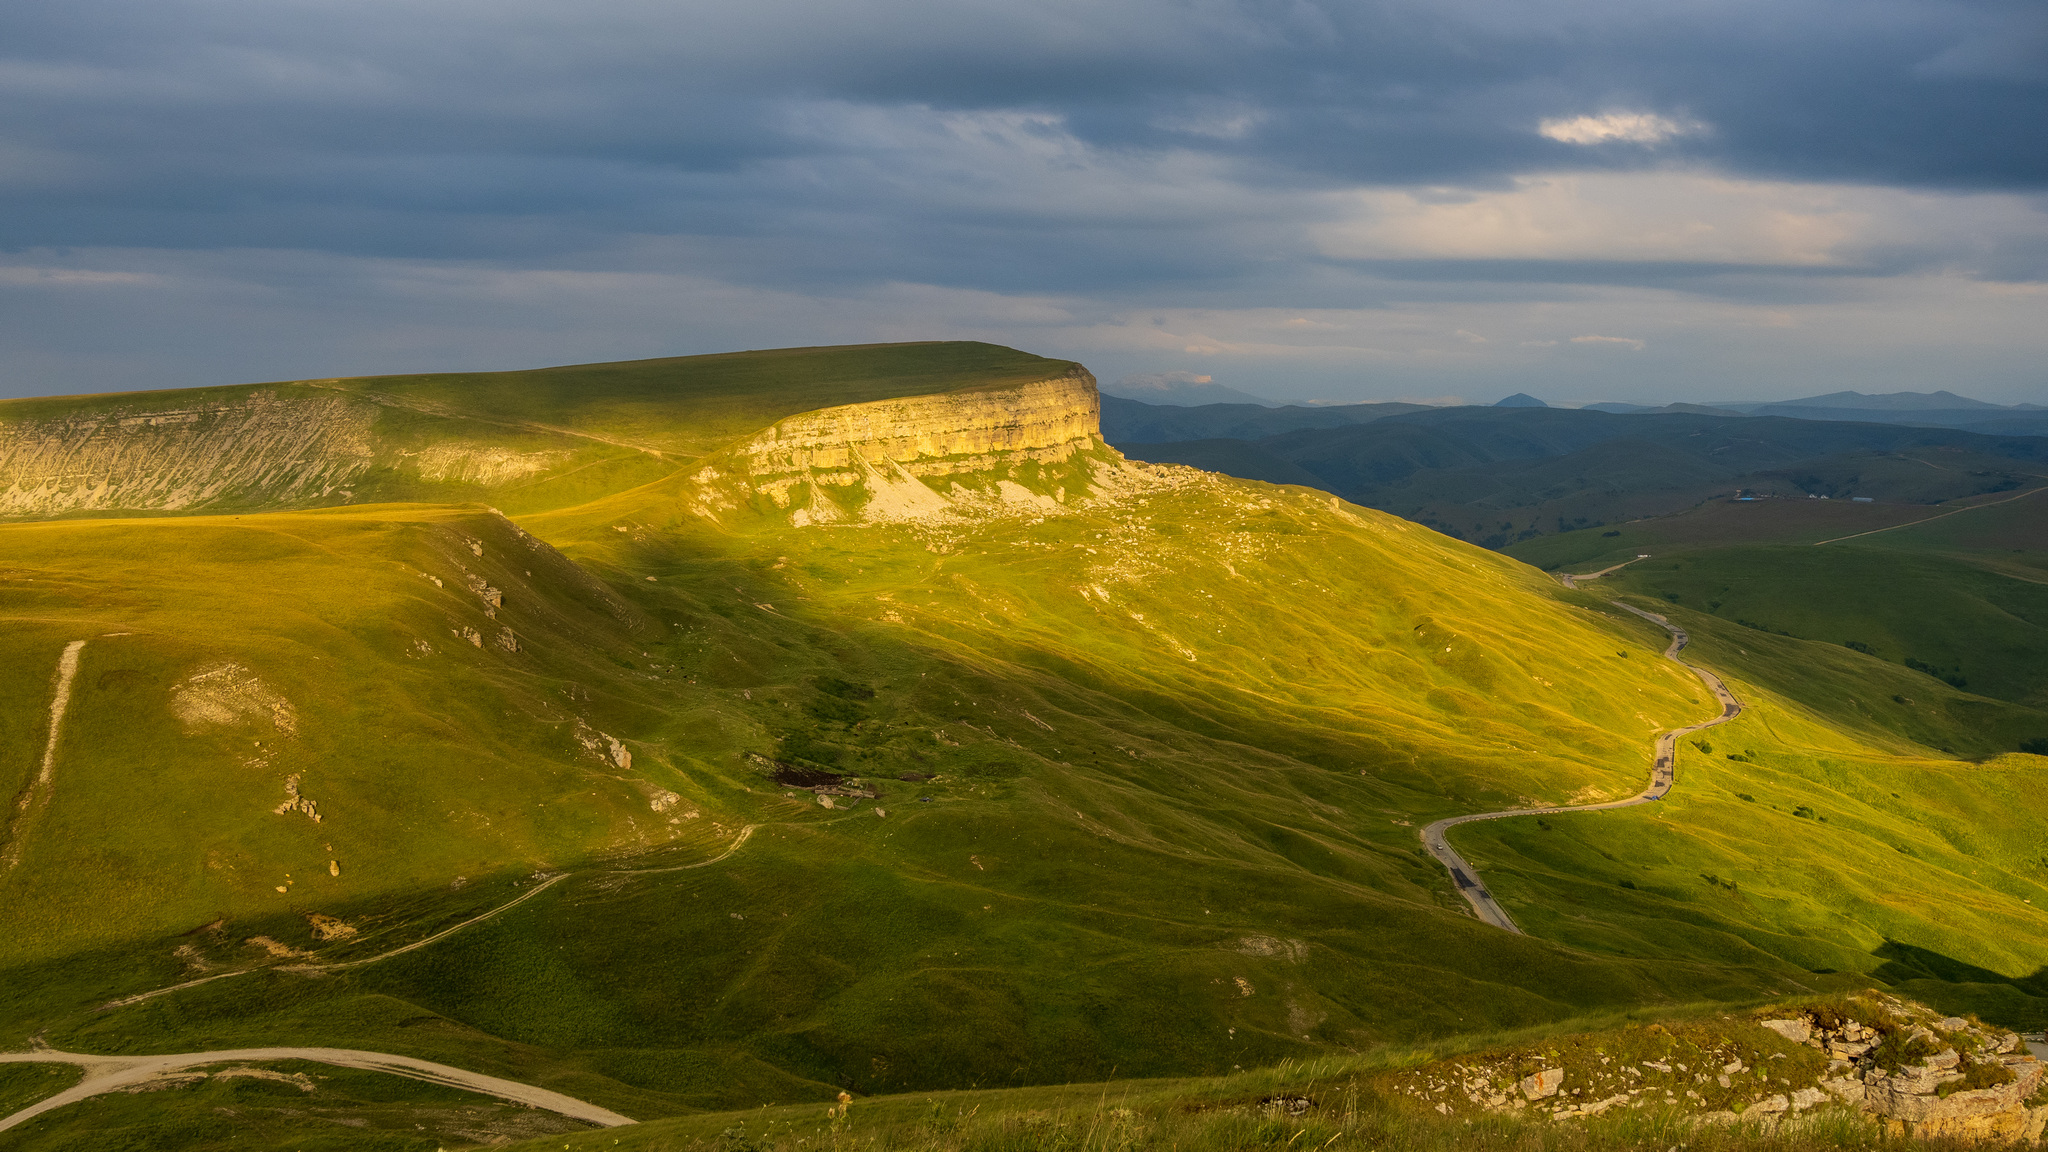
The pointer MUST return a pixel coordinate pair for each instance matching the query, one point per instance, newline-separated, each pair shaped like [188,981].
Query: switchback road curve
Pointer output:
[1661,776]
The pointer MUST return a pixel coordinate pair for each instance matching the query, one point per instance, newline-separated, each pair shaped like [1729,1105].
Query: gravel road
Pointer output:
[115,1073]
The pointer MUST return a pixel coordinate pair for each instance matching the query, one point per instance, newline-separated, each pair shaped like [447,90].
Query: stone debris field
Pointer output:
[1899,1063]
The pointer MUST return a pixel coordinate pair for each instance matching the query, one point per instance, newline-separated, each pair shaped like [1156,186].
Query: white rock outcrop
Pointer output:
[1897,1063]
[886,460]
[133,455]
[935,435]
[1543,1084]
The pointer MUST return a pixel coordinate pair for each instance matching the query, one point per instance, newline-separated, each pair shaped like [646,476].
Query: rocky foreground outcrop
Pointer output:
[1899,1063]
[1930,1076]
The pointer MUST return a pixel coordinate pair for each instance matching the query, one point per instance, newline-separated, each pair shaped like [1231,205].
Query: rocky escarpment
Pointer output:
[142,456]
[934,455]
[270,447]
[1035,445]
[1047,420]
[1897,1063]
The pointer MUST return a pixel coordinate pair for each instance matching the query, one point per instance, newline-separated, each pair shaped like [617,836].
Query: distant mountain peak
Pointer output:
[1520,400]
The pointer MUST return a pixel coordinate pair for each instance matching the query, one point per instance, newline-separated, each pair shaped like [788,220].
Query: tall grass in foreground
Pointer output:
[1354,1119]
[1337,1115]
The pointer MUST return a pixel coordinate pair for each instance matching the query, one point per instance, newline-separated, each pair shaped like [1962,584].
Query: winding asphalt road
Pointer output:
[1661,777]
[117,1073]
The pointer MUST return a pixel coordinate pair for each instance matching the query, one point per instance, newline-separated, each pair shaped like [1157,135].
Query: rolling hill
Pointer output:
[1501,475]
[735,730]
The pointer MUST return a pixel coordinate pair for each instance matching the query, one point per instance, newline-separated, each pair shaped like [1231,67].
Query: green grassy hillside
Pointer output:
[1663,1068]
[1787,838]
[1992,529]
[1499,476]
[432,680]
[520,441]
[1121,783]
[1720,523]
[685,406]
[1959,622]
[1949,598]
[1134,765]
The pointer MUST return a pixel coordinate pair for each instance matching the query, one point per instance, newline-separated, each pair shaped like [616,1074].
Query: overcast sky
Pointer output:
[1638,200]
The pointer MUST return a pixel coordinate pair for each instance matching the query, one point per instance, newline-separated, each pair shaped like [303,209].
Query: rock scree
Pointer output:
[1896,1063]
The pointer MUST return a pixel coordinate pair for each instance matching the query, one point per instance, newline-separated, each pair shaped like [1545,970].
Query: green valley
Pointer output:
[695,735]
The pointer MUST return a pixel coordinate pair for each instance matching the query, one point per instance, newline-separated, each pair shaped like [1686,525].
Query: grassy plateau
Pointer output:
[1117,779]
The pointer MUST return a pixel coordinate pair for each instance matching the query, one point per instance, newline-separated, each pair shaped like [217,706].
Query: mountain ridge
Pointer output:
[545,438]
[1070,764]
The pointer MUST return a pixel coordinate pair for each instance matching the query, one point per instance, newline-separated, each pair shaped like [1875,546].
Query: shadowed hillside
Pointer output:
[1500,476]
[916,740]
[521,440]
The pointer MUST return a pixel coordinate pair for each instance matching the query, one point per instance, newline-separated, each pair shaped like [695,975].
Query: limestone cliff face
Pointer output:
[1048,421]
[289,446]
[144,458]
[885,460]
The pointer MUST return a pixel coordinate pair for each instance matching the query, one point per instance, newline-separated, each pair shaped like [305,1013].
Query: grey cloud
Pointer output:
[1110,153]
[1385,92]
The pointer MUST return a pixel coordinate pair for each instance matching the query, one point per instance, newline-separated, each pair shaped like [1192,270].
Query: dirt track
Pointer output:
[745,834]
[115,1073]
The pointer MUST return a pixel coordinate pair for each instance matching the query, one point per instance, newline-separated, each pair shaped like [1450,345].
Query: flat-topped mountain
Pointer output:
[519,440]
[732,730]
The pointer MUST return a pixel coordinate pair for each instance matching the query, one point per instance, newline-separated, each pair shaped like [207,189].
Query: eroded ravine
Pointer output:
[37,795]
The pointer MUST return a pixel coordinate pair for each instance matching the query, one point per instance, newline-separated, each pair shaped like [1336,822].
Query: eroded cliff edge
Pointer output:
[253,448]
[308,444]
[1037,443]
[148,457]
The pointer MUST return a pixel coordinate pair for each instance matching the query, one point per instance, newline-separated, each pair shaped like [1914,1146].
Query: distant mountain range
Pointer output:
[1893,401]
[1498,474]
[1924,409]
[1942,409]
[1639,409]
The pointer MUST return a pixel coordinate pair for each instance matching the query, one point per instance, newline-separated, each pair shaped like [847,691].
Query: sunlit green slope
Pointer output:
[1813,828]
[519,441]
[684,406]
[1200,713]
[1125,768]
[438,686]
[1949,601]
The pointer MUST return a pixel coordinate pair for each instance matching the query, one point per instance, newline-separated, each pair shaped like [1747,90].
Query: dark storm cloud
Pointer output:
[196,190]
[495,128]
